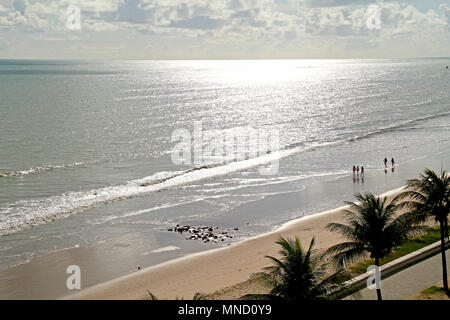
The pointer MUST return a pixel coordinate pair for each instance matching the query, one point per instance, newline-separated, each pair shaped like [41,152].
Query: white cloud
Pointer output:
[446,13]
[3,9]
[232,26]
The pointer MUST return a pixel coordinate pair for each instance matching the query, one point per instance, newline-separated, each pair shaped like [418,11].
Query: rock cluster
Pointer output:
[206,234]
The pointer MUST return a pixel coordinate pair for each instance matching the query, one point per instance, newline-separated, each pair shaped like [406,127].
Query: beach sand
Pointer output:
[221,273]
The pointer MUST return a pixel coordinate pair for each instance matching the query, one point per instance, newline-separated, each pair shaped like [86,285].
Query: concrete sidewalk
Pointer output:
[408,282]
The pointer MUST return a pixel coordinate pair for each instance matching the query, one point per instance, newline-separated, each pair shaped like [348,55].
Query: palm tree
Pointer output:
[372,229]
[298,275]
[426,197]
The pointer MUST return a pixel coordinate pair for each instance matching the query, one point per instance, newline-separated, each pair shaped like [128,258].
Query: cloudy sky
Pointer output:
[223,29]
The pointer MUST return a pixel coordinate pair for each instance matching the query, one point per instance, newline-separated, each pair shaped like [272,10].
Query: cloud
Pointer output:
[336,3]
[131,11]
[27,23]
[227,25]
[446,12]
[20,6]
[3,9]
[198,22]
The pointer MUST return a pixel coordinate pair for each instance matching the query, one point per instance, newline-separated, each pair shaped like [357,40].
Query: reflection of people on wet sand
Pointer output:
[356,174]
[393,169]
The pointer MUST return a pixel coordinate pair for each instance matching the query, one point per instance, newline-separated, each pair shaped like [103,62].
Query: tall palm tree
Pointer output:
[429,196]
[373,228]
[298,275]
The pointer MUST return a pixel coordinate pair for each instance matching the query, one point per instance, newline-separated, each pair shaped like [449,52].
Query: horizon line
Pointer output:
[220,59]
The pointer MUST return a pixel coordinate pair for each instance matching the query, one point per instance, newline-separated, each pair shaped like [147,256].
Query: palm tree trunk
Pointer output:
[446,228]
[378,283]
[442,225]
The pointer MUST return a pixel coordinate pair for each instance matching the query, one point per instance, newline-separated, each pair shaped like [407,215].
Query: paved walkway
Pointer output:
[408,282]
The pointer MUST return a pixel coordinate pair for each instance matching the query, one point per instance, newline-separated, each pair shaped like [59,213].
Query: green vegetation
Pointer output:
[433,293]
[372,228]
[431,236]
[432,290]
[298,275]
[429,196]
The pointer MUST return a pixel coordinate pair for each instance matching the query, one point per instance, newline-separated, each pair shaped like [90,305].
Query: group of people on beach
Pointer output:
[356,174]
[356,170]
[386,161]
[386,165]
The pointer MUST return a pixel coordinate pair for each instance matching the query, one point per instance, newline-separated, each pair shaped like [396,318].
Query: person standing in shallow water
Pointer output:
[393,162]
[357,170]
[354,170]
[385,162]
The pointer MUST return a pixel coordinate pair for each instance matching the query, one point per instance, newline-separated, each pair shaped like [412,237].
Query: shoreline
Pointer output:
[217,269]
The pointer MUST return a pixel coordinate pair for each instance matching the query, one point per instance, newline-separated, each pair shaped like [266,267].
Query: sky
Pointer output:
[223,29]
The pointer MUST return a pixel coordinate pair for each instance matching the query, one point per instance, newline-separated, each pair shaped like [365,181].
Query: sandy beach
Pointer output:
[223,272]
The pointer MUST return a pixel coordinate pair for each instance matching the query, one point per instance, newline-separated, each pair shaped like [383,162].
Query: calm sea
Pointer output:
[85,146]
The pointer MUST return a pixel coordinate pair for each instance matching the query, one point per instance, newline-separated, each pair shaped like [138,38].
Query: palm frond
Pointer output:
[260,297]
[372,228]
[199,296]
[151,296]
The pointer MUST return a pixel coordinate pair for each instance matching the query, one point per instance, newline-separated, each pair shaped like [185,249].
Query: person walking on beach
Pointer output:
[393,162]
[354,170]
[357,170]
[362,174]
[385,162]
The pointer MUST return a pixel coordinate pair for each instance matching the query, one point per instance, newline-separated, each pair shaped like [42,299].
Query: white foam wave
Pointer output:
[28,213]
[39,169]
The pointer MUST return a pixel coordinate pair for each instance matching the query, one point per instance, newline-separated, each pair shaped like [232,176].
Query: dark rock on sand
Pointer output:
[204,233]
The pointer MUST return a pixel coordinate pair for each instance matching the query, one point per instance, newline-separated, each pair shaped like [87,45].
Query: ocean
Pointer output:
[86,148]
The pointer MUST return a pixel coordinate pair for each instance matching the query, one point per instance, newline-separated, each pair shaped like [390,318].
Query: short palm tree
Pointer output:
[298,275]
[429,196]
[373,228]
